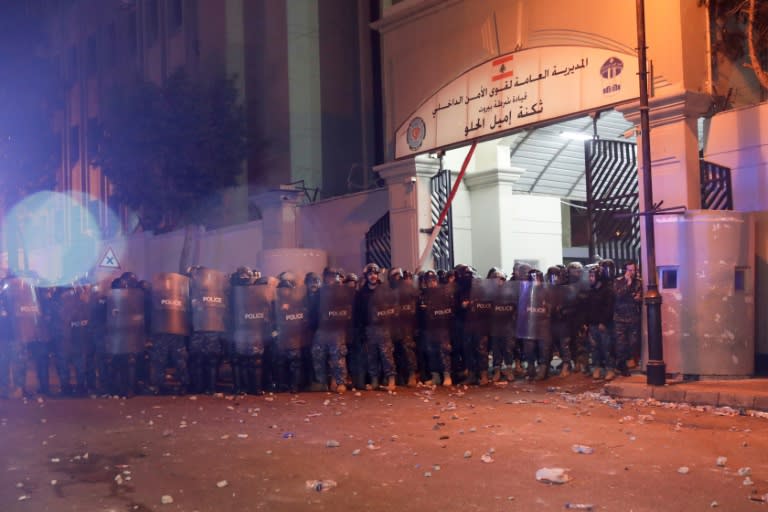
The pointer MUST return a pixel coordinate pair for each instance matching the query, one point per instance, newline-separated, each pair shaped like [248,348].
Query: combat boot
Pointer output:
[318,387]
[374,385]
[483,381]
[447,379]
[509,373]
[412,381]
[610,375]
[597,374]
[496,374]
[435,379]
[519,371]
[341,389]
[565,369]
[391,383]
[541,372]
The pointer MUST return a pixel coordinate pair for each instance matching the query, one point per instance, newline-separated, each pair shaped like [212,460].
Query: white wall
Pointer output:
[338,226]
[532,228]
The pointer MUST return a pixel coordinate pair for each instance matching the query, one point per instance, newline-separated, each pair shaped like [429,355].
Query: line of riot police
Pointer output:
[325,333]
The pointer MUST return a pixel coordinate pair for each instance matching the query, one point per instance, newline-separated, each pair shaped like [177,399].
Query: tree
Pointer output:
[741,30]
[170,150]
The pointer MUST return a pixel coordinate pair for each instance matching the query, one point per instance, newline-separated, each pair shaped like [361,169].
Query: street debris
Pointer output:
[683,470]
[332,443]
[467,454]
[167,499]
[745,471]
[553,475]
[582,448]
[321,485]
[222,483]
[721,461]
[579,506]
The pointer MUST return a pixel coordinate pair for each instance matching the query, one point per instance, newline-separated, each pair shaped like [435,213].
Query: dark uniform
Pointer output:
[477,329]
[125,334]
[27,331]
[72,316]
[502,336]
[579,284]
[291,319]
[437,303]
[329,347]
[209,303]
[626,320]
[404,332]
[600,320]
[563,305]
[11,353]
[251,330]
[170,325]
[534,323]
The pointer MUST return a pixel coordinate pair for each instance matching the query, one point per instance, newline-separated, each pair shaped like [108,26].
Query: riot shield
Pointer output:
[291,316]
[125,321]
[438,307]
[504,308]
[481,299]
[382,308]
[335,307]
[251,313]
[533,311]
[407,301]
[208,294]
[170,304]
[24,308]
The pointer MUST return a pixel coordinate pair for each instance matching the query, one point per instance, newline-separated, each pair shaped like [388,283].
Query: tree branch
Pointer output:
[760,73]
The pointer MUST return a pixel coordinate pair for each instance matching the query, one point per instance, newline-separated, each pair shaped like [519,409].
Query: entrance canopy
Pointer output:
[553,156]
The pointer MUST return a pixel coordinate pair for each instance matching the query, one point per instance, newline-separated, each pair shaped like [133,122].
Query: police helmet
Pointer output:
[371,268]
[496,273]
[535,275]
[607,270]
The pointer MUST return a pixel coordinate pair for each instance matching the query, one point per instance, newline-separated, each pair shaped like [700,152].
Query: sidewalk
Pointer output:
[742,393]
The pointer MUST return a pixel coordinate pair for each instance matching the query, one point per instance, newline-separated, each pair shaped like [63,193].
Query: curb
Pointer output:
[730,398]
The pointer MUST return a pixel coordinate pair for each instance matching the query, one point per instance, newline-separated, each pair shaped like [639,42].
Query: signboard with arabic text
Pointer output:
[519,89]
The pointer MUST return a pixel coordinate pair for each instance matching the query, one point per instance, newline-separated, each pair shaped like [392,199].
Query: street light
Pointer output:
[655,367]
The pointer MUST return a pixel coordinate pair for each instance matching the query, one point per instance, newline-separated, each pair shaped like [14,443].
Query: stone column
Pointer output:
[279,217]
[409,206]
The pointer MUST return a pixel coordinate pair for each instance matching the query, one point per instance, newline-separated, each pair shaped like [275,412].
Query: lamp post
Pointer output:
[655,366]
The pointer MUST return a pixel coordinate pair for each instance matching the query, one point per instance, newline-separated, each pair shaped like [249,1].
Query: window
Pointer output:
[740,279]
[74,144]
[92,61]
[132,36]
[175,14]
[668,278]
[153,24]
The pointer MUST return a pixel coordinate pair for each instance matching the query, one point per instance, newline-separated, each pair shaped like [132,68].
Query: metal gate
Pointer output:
[378,246]
[715,187]
[442,250]
[613,202]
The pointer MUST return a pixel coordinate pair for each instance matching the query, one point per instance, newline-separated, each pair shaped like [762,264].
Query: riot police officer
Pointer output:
[533,325]
[626,317]
[578,282]
[375,310]
[477,328]
[125,333]
[251,329]
[600,319]
[291,318]
[209,300]
[11,352]
[170,325]
[27,332]
[502,328]
[404,328]
[563,303]
[72,315]
[334,320]
[437,303]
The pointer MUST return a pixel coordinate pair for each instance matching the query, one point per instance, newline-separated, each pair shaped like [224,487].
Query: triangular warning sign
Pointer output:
[109,260]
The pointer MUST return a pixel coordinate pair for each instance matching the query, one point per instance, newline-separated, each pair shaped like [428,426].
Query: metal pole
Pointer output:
[655,367]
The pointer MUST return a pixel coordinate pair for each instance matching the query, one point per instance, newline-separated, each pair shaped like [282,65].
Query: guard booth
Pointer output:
[706,279]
